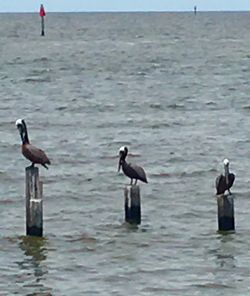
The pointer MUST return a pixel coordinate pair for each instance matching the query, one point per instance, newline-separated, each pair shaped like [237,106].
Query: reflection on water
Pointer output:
[35,251]
[226,260]
[225,253]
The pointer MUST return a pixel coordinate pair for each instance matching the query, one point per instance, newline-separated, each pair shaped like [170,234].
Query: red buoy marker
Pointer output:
[42,15]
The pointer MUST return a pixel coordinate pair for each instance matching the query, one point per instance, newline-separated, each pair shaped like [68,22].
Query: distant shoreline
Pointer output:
[132,11]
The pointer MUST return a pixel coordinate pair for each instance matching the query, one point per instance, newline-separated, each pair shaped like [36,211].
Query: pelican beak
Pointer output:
[227,173]
[20,128]
[120,162]
[119,165]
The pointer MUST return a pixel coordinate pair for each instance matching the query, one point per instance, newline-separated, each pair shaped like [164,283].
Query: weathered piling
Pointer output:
[225,212]
[34,203]
[42,15]
[132,204]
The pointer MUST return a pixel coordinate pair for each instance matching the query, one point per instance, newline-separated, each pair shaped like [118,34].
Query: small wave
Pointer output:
[244,71]
[210,103]
[13,35]
[134,154]
[61,108]
[108,78]
[196,173]
[120,143]
[160,175]
[246,107]
[164,291]
[243,141]
[83,238]
[176,106]
[64,68]
[212,285]
[35,80]
[42,59]
[16,61]
[176,159]
[6,201]
[37,72]
[4,77]
[108,156]
[159,125]
[156,106]
[141,73]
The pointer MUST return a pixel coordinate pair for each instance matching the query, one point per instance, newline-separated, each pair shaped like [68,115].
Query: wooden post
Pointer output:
[225,212]
[42,26]
[132,204]
[34,203]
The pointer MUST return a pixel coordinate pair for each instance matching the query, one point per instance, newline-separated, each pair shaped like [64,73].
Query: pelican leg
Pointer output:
[135,181]
[131,182]
[229,192]
[32,165]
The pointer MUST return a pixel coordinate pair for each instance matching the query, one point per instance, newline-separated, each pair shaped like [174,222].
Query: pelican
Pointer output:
[130,170]
[29,151]
[224,183]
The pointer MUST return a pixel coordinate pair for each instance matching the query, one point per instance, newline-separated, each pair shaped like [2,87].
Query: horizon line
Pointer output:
[125,11]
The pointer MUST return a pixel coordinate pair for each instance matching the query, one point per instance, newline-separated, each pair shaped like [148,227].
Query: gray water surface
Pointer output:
[172,87]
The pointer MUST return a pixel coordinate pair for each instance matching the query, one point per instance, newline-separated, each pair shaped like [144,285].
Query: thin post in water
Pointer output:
[225,212]
[34,203]
[195,9]
[132,204]
[42,15]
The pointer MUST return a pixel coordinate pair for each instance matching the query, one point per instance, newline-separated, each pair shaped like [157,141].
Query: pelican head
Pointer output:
[21,126]
[123,151]
[226,162]
[19,122]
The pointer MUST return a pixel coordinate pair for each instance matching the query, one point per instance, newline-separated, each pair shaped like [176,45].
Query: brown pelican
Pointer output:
[32,153]
[130,170]
[224,183]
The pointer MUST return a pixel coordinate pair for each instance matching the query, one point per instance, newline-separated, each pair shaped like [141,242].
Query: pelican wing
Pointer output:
[220,184]
[139,172]
[231,178]
[35,154]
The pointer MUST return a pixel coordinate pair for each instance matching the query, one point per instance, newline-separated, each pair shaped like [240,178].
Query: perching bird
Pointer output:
[32,153]
[222,182]
[131,170]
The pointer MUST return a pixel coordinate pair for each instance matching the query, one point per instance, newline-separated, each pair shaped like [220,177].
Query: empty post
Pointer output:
[34,203]
[132,204]
[225,212]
